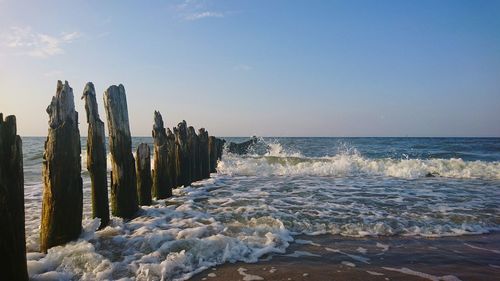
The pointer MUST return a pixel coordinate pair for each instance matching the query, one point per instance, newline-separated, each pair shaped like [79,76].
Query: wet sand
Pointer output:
[328,257]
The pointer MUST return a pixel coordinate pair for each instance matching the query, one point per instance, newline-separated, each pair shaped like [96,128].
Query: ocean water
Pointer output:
[256,205]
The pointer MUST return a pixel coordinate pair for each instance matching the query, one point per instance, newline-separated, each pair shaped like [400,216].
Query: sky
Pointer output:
[266,68]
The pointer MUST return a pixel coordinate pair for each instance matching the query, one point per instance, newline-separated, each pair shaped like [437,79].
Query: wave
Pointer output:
[230,219]
[269,157]
[165,243]
[277,161]
[177,238]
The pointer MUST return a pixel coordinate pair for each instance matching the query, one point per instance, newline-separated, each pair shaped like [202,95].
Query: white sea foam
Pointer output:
[208,224]
[481,248]
[298,254]
[423,275]
[166,242]
[347,263]
[374,273]
[275,163]
[276,149]
[354,257]
[306,242]
[242,215]
[384,247]
[361,250]
[248,277]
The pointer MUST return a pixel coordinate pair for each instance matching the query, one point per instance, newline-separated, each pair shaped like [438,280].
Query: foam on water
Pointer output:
[374,273]
[354,257]
[356,196]
[255,204]
[342,165]
[348,263]
[165,242]
[306,242]
[298,254]
[481,248]
[248,277]
[423,275]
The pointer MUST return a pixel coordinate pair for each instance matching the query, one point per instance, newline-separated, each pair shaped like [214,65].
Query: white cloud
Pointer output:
[70,37]
[190,5]
[202,15]
[25,41]
[192,10]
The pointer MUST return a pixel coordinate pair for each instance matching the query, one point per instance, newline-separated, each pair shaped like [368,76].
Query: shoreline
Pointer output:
[333,257]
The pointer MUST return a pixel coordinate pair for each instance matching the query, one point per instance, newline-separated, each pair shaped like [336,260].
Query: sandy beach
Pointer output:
[327,257]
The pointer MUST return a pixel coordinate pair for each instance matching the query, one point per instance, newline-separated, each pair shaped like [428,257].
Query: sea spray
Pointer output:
[342,165]
[248,216]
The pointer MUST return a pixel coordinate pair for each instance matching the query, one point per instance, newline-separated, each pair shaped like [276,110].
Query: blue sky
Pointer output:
[269,68]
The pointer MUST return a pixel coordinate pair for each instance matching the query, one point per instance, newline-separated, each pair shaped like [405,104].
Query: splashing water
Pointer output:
[257,203]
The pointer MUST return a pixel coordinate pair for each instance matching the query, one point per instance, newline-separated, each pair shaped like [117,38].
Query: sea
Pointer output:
[260,204]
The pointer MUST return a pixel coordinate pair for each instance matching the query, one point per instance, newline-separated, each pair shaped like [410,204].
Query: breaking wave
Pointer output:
[257,203]
[279,162]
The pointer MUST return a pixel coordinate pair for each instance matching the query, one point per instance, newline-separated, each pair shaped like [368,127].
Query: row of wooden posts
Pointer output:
[180,158]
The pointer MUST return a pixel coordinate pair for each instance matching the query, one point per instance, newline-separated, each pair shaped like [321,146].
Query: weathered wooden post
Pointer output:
[12,236]
[204,153]
[144,182]
[212,151]
[162,182]
[123,177]
[171,160]
[62,204]
[194,154]
[96,157]
[177,157]
[182,156]
[220,148]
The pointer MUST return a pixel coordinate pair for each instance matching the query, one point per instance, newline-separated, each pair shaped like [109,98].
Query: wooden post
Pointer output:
[182,157]
[12,236]
[194,154]
[171,161]
[212,151]
[144,182]
[204,153]
[177,160]
[96,157]
[62,204]
[220,148]
[162,186]
[123,177]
